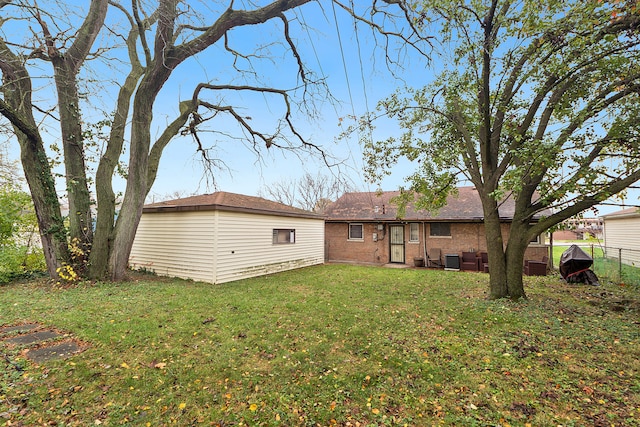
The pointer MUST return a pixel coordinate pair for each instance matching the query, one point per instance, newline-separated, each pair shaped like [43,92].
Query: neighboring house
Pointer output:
[622,235]
[222,237]
[567,235]
[365,228]
[580,229]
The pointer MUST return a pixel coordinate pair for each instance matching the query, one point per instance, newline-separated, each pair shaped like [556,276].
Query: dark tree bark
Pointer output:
[66,66]
[17,92]
[495,250]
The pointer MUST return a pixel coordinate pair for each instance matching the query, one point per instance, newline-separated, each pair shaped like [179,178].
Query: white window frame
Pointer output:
[414,238]
[359,239]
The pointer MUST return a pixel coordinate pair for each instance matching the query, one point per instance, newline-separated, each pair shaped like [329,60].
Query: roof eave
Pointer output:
[621,216]
[406,219]
[216,207]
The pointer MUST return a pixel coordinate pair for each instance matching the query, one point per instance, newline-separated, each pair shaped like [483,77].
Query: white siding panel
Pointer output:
[176,244]
[245,245]
[623,233]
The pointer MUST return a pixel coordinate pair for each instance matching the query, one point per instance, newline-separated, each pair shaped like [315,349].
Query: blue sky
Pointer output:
[356,74]
[245,172]
[357,90]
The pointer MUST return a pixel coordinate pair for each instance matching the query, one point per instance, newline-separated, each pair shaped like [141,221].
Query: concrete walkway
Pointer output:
[39,343]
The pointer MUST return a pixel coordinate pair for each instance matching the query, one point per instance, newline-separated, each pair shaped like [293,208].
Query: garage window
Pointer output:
[284,236]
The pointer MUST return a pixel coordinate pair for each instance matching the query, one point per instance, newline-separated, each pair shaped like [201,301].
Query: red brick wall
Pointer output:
[464,237]
[338,247]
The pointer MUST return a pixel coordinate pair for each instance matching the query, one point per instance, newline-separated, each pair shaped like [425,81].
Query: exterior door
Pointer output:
[396,240]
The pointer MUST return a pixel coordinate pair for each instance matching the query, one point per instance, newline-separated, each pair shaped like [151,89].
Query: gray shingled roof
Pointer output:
[466,206]
[224,201]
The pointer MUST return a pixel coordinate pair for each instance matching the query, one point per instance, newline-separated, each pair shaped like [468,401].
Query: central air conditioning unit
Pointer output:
[452,262]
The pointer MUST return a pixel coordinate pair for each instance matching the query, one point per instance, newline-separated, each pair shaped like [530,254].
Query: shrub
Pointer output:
[20,262]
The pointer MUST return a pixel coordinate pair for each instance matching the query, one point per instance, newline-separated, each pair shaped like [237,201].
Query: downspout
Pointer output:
[424,242]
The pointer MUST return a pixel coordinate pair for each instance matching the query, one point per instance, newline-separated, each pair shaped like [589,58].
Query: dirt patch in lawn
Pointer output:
[611,302]
[40,343]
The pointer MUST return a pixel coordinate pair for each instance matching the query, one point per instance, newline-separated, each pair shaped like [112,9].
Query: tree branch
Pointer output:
[187,108]
[17,120]
[86,35]
[587,202]
[227,20]
[292,46]
[140,25]
[386,33]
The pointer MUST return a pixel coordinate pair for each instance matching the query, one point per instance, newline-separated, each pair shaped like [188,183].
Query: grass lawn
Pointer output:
[328,345]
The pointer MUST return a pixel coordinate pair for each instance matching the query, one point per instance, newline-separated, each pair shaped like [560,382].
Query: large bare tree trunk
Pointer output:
[45,200]
[80,223]
[16,106]
[66,66]
[105,196]
[17,90]
[136,189]
[162,60]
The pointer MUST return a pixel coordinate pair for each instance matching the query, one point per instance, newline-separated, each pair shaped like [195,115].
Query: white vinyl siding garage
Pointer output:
[246,248]
[219,243]
[176,244]
[622,231]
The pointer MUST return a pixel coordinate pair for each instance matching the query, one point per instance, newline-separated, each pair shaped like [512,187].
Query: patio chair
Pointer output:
[484,262]
[534,267]
[434,258]
[470,261]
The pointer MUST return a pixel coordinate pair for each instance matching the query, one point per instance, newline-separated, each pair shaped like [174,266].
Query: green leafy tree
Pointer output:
[19,249]
[535,99]
[20,253]
[14,203]
[14,206]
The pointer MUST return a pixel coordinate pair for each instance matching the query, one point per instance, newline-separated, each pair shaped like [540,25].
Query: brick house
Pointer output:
[363,227]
